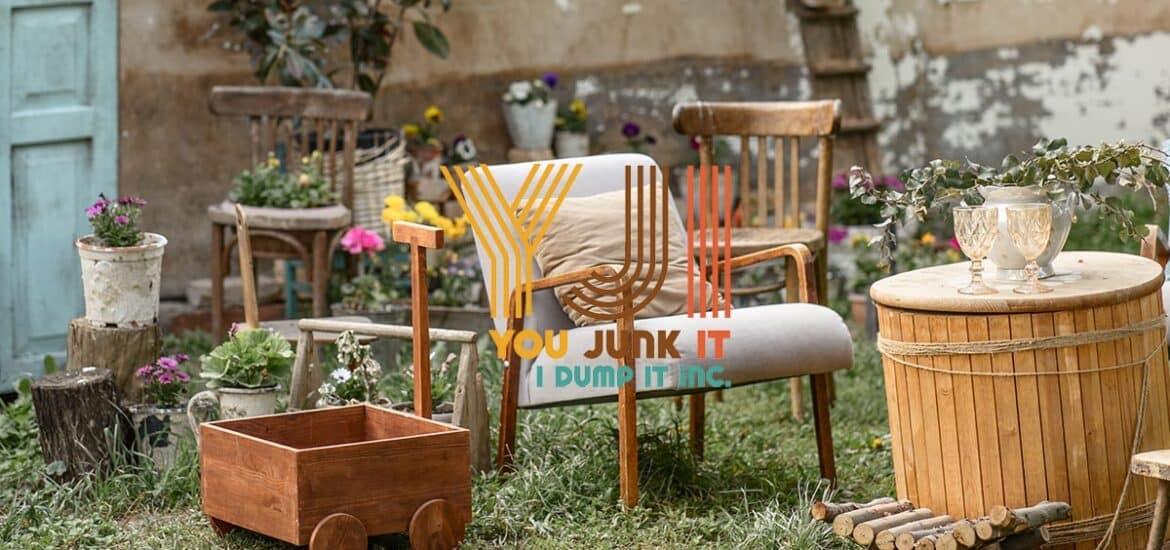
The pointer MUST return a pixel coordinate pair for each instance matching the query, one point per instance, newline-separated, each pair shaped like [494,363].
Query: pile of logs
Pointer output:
[886,524]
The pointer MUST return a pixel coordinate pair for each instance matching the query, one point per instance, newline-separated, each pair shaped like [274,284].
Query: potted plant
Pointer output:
[357,377]
[572,133]
[1052,172]
[160,421]
[637,141]
[121,266]
[268,186]
[242,373]
[428,151]
[530,112]
[444,377]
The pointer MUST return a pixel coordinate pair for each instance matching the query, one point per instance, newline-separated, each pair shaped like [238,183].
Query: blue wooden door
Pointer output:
[58,150]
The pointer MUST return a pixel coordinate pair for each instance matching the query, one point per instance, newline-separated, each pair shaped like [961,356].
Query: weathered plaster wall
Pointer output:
[954,78]
[982,78]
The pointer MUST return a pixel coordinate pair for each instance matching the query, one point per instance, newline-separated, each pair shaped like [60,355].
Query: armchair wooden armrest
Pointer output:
[1154,245]
[799,253]
[516,322]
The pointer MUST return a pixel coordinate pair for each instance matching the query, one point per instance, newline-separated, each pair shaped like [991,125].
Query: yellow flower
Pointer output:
[391,215]
[426,211]
[877,443]
[410,131]
[304,160]
[304,180]
[273,162]
[859,240]
[394,201]
[577,107]
[433,114]
[927,239]
[953,255]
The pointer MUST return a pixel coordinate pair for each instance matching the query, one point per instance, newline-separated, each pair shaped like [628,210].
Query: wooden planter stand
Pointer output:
[331,477]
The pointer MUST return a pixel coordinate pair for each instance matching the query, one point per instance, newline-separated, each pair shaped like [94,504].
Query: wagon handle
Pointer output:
[419,238]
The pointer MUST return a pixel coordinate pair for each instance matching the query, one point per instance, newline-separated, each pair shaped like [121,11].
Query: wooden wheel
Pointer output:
[221,527]
[435,527]
[338,532]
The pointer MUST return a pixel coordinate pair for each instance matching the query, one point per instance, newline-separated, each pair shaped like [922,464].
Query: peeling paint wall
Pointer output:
[980,79]
[950,78]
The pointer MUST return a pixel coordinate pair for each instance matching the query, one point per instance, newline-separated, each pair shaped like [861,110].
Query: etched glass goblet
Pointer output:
[976,228]
[1029,226]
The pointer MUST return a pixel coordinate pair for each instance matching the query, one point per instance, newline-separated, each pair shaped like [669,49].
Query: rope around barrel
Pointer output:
[1085,529]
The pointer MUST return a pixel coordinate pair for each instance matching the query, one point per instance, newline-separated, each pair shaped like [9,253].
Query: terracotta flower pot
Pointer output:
[121,283]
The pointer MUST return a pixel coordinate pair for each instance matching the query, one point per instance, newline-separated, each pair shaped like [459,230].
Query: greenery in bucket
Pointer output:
[266,185]
[1057,167]
[115,222]
[251,358]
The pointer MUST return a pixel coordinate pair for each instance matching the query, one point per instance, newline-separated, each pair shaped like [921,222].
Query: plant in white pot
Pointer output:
[530,112]
[159,422]
[572,132]
[121,266]
[242,373]
[1051,172]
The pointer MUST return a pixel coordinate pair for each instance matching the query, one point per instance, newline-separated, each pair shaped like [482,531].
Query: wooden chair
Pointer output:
[773,341]
[771,211]
[301,120]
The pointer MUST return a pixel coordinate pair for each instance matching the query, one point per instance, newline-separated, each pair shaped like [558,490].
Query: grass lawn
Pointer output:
[752,491]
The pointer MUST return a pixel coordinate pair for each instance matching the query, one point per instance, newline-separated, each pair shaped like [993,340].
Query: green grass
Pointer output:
[752,491]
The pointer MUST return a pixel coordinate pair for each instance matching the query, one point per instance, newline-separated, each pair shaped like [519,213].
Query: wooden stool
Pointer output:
[1156,464]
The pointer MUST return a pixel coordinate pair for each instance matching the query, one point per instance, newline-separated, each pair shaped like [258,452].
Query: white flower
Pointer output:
[465,149]
[508,98]
[341,374]
[520,90]
[326,390]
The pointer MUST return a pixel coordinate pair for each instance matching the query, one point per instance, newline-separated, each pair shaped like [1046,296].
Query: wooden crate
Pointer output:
[280,475]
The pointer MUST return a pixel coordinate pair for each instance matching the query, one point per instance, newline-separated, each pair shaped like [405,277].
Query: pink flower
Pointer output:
[121,220]
[167,363]
[358,240]
[165,379]
[837,234]
[144,371]
[840,182]
[94,211]
[180,357]
[183,377]
[954,242]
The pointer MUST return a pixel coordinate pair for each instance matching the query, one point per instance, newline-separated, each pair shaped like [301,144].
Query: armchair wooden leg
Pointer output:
[820,392]
[217,274]
[677,402]
[698,419]
[628,443]
[508,405]
[792,296]
[796,395]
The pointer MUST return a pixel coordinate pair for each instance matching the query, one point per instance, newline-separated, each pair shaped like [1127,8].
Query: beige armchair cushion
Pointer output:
[767,343]
[590,231]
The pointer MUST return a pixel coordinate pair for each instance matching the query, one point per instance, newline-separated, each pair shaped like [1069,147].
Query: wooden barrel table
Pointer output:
[1017,398]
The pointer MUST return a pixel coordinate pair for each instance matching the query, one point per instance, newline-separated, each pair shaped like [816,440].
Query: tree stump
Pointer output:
[81,425]
[122,350]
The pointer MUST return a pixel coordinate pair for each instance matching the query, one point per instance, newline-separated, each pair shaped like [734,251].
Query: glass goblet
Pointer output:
[976,228]
[1029,226]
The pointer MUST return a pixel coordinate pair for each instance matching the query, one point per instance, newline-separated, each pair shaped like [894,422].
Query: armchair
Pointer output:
[770,342]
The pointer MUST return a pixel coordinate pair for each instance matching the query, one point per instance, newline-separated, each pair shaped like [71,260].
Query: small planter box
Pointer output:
[331,477]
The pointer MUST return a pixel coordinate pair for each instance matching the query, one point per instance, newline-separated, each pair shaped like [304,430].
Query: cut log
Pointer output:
[844,523]
[80,424]
[828,511]
[1032,538]
[122,350]
[926,543]
[946,541]
[1003,522]
[904,536]
[1021,519]
[964,532]
[865,533]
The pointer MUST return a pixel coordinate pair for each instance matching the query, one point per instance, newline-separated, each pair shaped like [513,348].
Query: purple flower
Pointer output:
[165,379]
[183,377]
[459,139]
[840,182]
[695,143]
[94,211]
[144,371]
[550,79]
[121,220]
[180,357]
[167,363]
[837,234]
[630,129]
[651,140]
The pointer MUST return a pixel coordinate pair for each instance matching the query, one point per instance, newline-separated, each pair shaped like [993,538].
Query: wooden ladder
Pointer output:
[832,52]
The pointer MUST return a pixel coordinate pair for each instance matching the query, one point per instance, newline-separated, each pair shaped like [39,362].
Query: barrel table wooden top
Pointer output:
[1082,280]
[1010,399]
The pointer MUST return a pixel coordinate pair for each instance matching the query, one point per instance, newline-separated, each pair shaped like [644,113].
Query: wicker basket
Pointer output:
[378,171]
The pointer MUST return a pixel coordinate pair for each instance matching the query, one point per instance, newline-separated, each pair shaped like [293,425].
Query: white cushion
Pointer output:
[767,343]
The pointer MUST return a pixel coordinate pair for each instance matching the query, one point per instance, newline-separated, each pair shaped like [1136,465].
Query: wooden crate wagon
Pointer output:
[331,477]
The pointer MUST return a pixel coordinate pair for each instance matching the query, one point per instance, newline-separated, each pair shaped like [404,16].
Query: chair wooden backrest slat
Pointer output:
[275,112]
[785,122]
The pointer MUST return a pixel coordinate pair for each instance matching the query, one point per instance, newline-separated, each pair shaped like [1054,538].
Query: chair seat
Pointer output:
[767,343]
[746,240]
[287,219]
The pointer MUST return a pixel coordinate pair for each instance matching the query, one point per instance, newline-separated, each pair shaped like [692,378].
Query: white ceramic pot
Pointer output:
[572,144]
[1009,263]
[231,403]
[121,284]
[158,431]
[531,125]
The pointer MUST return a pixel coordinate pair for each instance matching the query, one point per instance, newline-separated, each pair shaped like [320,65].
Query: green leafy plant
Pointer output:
[1058,168]
[266,185]
[356,380]
[398,384]
[251,358]
[288,39]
